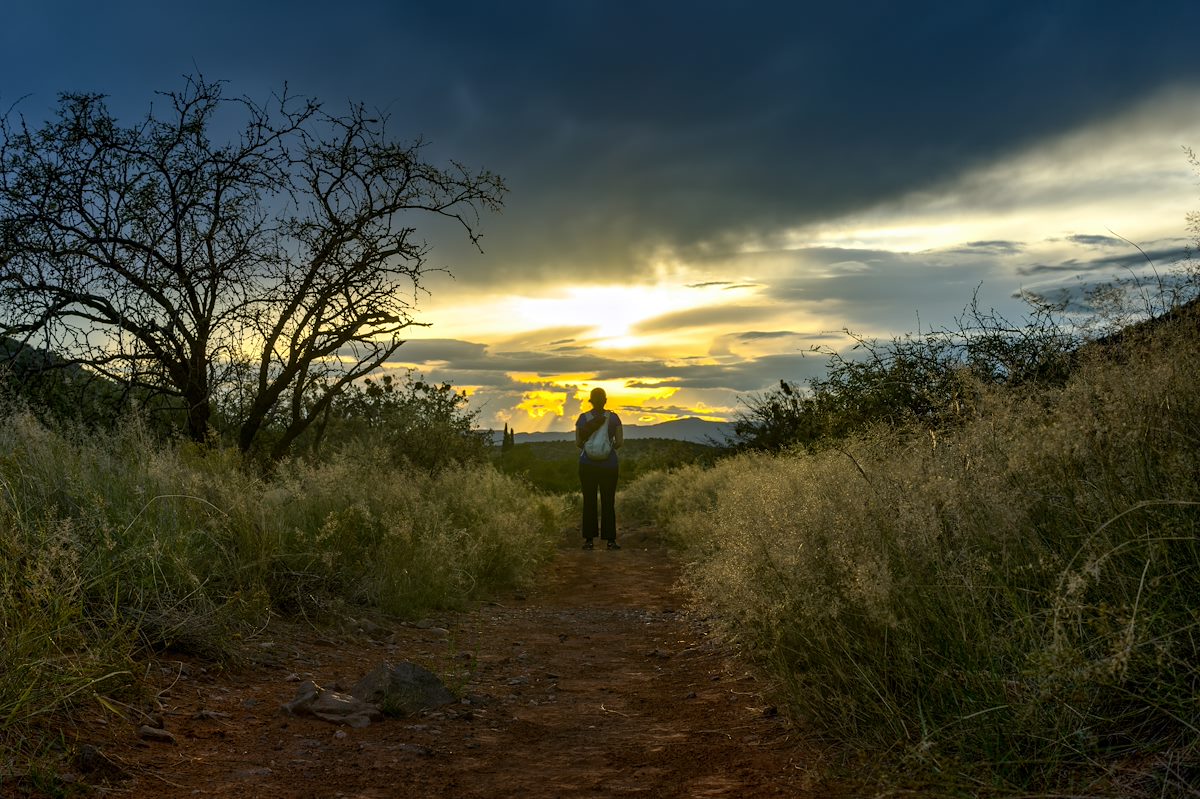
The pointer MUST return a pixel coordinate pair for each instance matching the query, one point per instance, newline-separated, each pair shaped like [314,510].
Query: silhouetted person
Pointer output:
[598,468]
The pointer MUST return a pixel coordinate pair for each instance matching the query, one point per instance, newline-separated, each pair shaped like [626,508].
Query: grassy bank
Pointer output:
[114,546]
[1011,603]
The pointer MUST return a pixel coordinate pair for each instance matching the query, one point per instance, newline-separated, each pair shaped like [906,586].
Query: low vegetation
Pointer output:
[115,545]
[551,466]
[1002,590]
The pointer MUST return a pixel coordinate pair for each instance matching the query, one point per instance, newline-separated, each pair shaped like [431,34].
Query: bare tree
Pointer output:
[266,273]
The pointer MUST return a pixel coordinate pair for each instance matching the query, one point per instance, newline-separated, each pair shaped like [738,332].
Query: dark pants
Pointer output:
[594,478]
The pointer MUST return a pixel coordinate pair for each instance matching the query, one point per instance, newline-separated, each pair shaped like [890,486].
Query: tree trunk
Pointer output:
[196,393]
[249,429]
[199,412]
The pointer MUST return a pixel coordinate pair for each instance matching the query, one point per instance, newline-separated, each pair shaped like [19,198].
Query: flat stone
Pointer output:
[156,734]
[332,706]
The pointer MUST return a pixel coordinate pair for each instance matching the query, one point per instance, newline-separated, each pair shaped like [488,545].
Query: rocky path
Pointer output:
[596,684]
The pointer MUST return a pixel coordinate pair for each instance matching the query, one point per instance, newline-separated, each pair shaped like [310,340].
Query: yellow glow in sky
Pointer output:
[623,393]
[546,407]
[609,312]
[536,404]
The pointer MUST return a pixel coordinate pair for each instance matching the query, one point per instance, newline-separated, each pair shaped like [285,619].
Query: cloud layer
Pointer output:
[702,191]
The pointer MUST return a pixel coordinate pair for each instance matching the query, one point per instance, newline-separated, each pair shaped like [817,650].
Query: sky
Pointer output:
[700,193]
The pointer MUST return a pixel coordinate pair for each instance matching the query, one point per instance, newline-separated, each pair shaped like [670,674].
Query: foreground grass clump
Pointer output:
[1014,600]
[113,545]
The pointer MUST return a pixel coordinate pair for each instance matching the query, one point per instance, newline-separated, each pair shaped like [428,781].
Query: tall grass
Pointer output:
[1019,593]
[112,545]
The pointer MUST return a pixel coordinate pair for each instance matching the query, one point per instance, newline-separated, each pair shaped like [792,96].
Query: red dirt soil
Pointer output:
[597,683]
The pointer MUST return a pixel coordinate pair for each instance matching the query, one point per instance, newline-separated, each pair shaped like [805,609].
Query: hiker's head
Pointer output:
[598,398]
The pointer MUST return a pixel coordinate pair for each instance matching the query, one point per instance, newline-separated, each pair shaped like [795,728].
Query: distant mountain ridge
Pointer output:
[698,431]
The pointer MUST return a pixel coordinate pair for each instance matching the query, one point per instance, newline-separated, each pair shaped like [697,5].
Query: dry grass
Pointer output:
[112,546]
[1014,600]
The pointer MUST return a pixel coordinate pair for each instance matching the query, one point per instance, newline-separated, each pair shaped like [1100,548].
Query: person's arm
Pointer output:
[619,436]
[584,430]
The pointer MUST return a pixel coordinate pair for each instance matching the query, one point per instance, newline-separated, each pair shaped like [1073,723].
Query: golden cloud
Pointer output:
[623,393]
[537,404]
[626,393]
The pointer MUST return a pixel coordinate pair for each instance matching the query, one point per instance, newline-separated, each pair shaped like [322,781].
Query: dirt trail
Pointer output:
[596,684]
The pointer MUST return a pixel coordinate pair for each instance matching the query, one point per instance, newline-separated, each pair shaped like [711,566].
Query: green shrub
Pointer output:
[933,378]
[426,424]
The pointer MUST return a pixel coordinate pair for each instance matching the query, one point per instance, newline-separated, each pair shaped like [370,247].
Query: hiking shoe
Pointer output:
[613,545]
[588,544]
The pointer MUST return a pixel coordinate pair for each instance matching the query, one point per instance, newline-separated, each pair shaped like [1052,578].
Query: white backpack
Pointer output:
[599,446]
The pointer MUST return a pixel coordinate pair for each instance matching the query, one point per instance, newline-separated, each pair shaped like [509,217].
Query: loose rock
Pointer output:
[156,734]
[337,708]
[402,689]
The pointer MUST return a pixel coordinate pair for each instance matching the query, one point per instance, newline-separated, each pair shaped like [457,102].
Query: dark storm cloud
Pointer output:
[750,375]
[677,410]
[758,335]
[887,289]
[491,365]
[1161,257]
[478,365]
[769,335]
[989,248]
[650,384]
[439,349]
[626,128]
[684,125]
[724,345]
[1071,265]
[907,292]
[1087,240]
